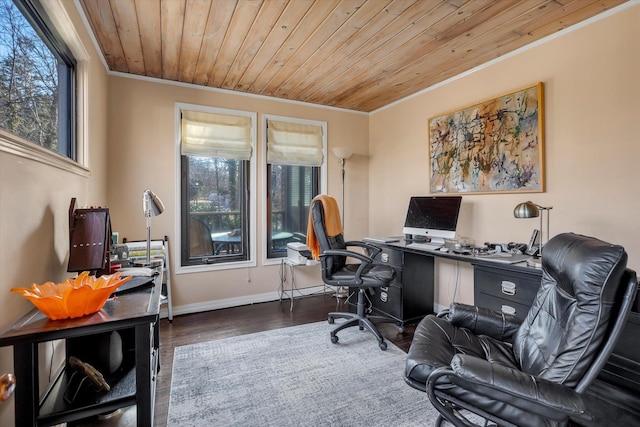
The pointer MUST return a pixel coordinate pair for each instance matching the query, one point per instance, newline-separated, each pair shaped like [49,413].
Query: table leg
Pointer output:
[283,278]
[144,402]
[293,282]
[25,366]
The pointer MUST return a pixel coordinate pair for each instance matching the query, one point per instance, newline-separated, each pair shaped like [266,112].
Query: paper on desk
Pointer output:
[137,271]
[505,258]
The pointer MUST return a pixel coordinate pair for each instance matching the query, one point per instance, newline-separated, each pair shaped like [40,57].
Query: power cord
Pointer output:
[457,282]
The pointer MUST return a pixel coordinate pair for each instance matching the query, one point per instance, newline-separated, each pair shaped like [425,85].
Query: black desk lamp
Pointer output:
[532,210]
[152,206]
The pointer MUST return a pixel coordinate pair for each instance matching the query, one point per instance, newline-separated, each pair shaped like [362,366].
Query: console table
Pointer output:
[135,315]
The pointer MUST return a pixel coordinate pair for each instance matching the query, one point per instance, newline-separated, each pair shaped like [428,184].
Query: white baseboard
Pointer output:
[238,301]
[253,299]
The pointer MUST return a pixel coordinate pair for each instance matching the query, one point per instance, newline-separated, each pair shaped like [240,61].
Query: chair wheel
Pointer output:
[383,346]
[334,339]
[331,320]
[401,329]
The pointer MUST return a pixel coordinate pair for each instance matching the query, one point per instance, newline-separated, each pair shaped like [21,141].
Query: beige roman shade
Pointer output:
[294,144]
[215,135]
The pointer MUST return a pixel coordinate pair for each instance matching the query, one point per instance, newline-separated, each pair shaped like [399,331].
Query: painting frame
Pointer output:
[493,146]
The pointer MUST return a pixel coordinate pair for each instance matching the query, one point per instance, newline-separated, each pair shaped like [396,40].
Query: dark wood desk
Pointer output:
[134,314]
[410,296]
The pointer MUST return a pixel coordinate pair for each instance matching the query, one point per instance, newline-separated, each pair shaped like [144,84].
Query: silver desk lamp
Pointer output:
[152,206]
[531,210]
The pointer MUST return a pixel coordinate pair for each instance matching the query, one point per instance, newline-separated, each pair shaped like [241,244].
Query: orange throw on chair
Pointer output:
[332,221]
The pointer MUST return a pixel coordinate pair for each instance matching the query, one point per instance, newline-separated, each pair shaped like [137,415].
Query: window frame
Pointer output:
[265,190]
[251,200]
[58,19]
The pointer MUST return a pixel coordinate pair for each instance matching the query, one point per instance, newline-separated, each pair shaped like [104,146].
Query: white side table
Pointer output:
[292,265]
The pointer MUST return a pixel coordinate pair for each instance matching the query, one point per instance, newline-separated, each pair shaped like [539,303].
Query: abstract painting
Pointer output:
[493,146]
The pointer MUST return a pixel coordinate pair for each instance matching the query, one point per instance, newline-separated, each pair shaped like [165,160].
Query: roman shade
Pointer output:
[294,144]
[207,134]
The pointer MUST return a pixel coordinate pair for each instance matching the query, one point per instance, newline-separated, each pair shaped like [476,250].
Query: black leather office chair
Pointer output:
[530,373]
[337,272]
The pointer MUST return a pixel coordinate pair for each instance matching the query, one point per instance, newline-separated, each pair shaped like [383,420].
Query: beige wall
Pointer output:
[592,101]
[142,155]
[34,205]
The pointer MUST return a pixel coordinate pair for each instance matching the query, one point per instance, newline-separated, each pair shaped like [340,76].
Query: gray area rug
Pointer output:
[294,377]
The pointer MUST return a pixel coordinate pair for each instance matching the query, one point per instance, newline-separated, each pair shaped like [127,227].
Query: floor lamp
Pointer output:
[342,153]
[152,206]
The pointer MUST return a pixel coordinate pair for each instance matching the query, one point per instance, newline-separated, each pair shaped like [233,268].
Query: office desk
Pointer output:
[134,314]
[410,296]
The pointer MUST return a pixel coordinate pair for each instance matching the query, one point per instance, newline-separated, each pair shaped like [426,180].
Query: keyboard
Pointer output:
[381,239]
[424,246]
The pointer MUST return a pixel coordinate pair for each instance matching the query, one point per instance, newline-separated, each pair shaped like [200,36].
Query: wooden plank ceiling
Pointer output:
[354,54]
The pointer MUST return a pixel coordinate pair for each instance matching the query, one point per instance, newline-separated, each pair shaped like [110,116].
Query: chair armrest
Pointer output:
[527,392]
[343,252]
[374,250]
[365,260]
[483,321]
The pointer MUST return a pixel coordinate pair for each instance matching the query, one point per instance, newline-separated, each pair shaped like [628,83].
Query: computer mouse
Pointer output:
[444,249]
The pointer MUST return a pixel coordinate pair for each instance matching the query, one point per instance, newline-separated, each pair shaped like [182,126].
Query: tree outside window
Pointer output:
[36,79]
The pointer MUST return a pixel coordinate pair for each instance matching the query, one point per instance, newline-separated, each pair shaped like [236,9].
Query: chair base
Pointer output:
[361,320]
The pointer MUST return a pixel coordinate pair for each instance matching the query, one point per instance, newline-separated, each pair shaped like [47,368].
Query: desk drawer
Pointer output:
[500,304]
[513,287]
[388,300]
[392,257]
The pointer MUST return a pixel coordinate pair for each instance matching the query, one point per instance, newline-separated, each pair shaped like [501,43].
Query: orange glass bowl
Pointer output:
[72,298]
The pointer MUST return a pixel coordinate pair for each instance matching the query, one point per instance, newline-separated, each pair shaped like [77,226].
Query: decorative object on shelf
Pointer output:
[72,298]
[90,372]
[7,386]
[152,206]
[83,372]
[89,239]
[494,146]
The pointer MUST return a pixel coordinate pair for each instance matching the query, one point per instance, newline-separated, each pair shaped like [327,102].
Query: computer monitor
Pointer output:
[435,217]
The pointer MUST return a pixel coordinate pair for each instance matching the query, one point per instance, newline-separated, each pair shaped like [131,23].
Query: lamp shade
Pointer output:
[342,152]
[526,210]
[151,204]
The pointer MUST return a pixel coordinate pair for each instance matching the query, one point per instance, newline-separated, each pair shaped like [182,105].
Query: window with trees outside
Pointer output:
[295,157]
[215,152]
[37,77]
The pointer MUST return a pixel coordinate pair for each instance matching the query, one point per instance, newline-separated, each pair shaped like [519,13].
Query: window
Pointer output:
[37,78]
[216,149]
[294,176]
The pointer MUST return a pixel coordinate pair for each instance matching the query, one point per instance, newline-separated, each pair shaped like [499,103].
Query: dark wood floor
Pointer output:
[217,324]
[231,322]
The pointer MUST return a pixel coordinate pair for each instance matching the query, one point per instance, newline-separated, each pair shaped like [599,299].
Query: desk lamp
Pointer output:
[532,210]
[152,206]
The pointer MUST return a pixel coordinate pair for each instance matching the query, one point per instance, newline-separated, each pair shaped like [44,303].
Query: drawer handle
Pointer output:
[507,309]
[508,288]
